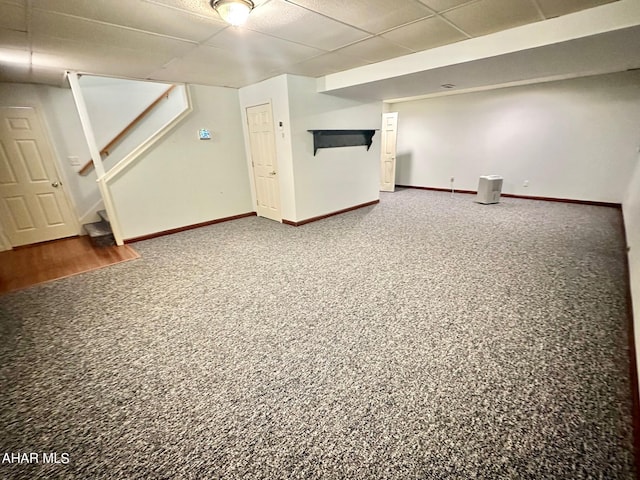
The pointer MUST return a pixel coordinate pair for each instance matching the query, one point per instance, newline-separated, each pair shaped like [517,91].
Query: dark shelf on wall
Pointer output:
[341,138]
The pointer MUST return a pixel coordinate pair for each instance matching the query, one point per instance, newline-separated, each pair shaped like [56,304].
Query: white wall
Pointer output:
[162,114]
[573,139]
[336,178]
[113,103]
[69,139]
[631,211]
[182,180]
[61,120]
[109,116]
[274,91]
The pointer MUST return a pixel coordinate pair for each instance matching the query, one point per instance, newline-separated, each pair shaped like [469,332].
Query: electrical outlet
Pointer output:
[525,183]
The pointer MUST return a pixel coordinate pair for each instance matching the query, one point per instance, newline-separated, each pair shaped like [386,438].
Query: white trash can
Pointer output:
[489,189]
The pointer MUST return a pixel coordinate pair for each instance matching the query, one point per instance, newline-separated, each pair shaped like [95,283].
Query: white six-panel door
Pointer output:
[33,206]
[263,158]
[388,152]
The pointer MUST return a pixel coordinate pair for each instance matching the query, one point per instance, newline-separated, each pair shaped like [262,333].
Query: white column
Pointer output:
[86,123]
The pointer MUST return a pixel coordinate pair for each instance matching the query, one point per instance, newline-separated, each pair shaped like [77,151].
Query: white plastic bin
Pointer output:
[489,189]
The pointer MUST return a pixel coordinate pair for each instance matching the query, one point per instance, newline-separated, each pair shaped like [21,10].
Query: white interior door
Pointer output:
[263,158]
[33,206]
[388,152]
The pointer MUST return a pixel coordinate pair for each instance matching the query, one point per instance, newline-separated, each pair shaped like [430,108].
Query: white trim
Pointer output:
[63,174]
[121,77]
[57,165]
[249,156]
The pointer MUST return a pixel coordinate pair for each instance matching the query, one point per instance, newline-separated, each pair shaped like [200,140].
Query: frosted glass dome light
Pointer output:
[234,12]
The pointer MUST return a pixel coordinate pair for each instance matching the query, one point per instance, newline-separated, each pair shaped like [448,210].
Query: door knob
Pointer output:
[55,184]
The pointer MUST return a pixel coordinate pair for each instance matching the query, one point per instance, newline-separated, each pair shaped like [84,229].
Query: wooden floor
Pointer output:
[26,266]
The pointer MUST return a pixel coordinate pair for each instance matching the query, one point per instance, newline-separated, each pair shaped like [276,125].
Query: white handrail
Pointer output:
[105,179]
[144,146]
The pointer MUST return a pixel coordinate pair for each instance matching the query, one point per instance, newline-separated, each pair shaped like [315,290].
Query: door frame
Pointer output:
[383,139]
[250,165]
[5,243]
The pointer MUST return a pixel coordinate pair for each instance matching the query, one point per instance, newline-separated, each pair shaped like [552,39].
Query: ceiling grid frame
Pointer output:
[311,51]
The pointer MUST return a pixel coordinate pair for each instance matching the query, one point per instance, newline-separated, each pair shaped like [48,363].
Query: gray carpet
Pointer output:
[424,337]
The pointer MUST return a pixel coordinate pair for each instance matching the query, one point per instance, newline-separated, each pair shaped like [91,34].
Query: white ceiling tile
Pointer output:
[119,62]
[13,39]
[262,48]
[200,7]
[13,16]
[429,33]
[325,64]
[77,44]
[374,49]
[554,8]
[291,22]
[12,3]
[185,41]
[374,16]
[212,66]
[488,16]
[442,5]
[140,15]
[101,38]
[14,72]
[14,56]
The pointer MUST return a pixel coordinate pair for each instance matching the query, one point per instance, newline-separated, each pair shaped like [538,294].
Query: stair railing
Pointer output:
[87,167]
[115,172]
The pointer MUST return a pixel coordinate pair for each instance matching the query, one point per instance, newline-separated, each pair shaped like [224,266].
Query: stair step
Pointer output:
[100,234]
[104,215]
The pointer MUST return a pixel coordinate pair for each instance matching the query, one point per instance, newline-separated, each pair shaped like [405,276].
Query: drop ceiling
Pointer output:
[185,41]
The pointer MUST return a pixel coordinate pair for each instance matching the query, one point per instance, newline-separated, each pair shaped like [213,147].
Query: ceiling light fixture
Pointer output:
[234,12]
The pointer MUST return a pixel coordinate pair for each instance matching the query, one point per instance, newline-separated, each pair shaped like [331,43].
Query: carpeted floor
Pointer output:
[424,337]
